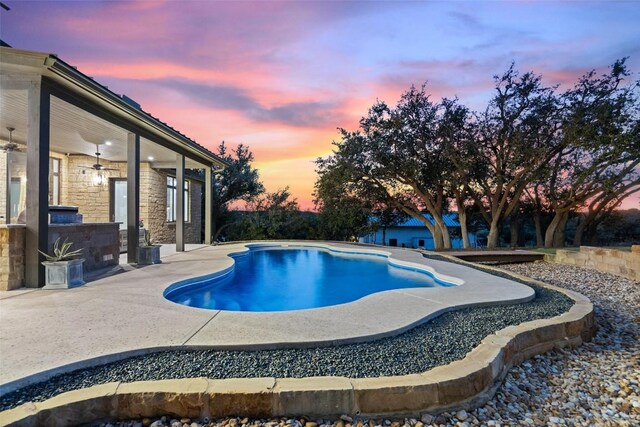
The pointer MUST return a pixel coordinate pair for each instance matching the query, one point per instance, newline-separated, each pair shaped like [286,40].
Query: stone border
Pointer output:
[195,328]
[465,383]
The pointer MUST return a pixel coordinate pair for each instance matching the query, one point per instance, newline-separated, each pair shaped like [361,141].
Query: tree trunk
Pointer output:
[558,237]
[513,230]
[577,240]
[384,236]
[492,238]
[551,230]
[444,232]
[462,218]
[437,238]
[538,223]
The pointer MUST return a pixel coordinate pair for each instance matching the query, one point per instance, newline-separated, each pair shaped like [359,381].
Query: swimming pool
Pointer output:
[269,278]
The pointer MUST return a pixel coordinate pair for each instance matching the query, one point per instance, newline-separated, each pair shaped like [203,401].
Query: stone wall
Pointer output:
[623,263]
[77,188]
[153,208]
[11,256]
[99,242]
[93,200]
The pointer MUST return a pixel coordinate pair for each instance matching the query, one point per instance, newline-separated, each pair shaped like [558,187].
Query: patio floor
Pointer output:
[126,314]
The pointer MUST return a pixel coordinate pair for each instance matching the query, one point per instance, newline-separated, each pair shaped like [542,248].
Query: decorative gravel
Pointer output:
[440,341]
[596,384]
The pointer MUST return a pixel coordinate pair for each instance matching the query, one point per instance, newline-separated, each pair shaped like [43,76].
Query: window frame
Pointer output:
[55,188]
[172,194]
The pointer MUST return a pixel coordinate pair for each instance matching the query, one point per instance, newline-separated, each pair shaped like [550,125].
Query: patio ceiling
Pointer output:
[75,131]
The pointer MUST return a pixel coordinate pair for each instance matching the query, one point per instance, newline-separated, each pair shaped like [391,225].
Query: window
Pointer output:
[15,188]
[171,200]
[54,181]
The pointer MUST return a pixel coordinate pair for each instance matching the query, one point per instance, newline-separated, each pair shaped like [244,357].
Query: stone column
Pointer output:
[179,203]
[133,197]
[37,197]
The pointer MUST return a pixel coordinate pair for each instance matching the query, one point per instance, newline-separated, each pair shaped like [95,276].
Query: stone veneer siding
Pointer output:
[11,256]
[77,189]
[93,200]
[614,261]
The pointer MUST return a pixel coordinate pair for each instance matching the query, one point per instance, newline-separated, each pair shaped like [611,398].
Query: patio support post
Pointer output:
[37,197]
[180,203]
[208,189]
[7,205]
[133,197]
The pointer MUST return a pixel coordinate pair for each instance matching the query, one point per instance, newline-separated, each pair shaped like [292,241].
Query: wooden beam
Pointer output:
[37,197]
[133,197]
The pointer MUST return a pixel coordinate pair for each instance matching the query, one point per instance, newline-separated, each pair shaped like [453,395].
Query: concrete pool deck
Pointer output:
[46,332]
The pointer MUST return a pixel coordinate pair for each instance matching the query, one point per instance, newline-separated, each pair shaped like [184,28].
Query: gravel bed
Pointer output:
[440,341]
[596,384]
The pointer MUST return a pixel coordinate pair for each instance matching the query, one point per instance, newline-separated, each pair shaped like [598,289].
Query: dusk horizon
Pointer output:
[282,77]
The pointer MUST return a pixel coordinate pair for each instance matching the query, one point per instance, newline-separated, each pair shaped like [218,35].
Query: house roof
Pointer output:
[450,220]
[68,75]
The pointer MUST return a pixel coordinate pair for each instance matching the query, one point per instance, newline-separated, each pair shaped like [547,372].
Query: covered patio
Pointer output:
[66,140]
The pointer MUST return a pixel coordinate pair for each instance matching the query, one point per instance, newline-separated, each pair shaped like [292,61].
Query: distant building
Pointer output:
[414,234]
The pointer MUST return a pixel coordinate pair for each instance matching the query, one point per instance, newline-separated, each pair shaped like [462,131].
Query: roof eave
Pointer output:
[68,72]
[52,66]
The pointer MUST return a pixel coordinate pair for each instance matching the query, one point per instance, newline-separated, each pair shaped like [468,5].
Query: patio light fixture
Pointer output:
[99,179]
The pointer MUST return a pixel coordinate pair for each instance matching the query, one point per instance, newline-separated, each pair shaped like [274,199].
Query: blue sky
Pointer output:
[281,76]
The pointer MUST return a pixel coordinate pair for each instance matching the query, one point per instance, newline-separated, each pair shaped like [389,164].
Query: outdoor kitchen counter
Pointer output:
[99,242]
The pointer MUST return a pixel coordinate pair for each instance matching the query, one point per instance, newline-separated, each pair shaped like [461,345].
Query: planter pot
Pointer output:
[63,274]
[148,255]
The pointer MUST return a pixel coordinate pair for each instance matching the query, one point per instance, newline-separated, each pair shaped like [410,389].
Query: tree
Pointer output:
[394,160]
[513,138]
[238,181]
[272,216]
[343,215]
[456,135]
[600,208]
[597,166]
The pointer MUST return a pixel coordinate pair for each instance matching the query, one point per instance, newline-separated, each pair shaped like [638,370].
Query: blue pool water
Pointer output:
[275,279]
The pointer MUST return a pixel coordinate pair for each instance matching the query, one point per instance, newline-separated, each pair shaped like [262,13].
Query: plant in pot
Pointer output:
[63,268]
[148,252]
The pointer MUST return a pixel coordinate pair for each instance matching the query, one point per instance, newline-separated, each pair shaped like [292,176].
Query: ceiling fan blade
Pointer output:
[109,169]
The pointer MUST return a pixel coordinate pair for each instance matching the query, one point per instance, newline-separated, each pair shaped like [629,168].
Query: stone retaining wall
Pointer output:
[466,383]
[11,257]
[608,260]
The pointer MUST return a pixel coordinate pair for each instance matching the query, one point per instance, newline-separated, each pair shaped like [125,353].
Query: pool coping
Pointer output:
[462,384]
[139,295]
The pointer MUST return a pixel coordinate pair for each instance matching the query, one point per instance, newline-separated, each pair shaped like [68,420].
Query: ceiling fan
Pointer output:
[97,166]
[10,146]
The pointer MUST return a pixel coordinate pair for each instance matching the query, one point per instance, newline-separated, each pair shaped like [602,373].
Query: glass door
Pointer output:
[118,203]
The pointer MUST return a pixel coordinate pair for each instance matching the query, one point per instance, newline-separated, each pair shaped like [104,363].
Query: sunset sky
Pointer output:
[281,76]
